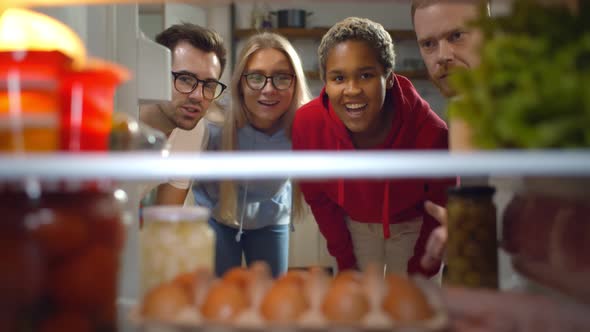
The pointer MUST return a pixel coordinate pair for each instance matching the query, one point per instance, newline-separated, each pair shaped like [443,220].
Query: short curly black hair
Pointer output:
[358,29]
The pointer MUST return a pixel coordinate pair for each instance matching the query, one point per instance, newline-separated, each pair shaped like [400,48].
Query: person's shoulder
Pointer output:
[407,89]
[309,122]
[431,131]
[213,133]
[213,128]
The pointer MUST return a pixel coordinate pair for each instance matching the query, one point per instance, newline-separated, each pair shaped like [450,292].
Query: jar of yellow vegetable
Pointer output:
[174,240]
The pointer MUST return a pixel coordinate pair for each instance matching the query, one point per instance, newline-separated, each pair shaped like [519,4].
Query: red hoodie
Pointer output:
[415,126]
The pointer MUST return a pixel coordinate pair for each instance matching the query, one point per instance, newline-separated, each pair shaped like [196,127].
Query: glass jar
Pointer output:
[174,240]
[29,103]
[87,106]
[545,230]
[472,247]
[62,258]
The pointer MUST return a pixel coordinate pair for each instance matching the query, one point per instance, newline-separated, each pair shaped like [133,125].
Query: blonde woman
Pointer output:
[251,218]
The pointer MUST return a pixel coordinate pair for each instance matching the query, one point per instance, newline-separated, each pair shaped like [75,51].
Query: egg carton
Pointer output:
[321,293]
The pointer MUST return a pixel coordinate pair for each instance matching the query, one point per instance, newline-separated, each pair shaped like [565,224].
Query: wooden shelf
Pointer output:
[316,33]
[411,74]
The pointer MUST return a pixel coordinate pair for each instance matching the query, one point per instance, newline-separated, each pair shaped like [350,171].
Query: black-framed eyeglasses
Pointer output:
[187,83]
[257,81]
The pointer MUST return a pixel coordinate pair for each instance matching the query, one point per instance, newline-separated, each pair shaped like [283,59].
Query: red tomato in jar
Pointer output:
[88,280]
[59,231]
[108,232]
[22,269]
[66,321]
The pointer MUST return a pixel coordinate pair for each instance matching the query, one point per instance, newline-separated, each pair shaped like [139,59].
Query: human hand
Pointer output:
[437,241]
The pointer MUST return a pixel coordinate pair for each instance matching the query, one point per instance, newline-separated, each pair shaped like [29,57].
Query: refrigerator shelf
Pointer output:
[137,166]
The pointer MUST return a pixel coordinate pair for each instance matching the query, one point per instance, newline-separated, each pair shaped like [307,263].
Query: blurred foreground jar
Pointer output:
[546,231]
[174,240]
[87,98]
[59,259]
[472,249]
[29,103]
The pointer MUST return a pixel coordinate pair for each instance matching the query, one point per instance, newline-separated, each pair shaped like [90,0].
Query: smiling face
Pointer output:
[356,84]
[185,110]
[266,107]
[446,41]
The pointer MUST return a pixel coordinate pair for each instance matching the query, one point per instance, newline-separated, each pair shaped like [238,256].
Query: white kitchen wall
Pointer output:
[151,24]
[176,13]
[155,18]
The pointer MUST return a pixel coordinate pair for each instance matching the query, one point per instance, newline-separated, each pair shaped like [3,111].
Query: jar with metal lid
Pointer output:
[174,240]
[472,247]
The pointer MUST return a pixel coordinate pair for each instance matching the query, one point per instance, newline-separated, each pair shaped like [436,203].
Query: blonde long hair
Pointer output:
[236,116]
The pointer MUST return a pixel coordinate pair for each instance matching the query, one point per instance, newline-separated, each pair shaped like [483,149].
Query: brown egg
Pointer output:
[240,276]
[186,281]
[284,302]
[345,302]
[194,283]
[224,301]
[88,279]
[297,277]
[349,276]
[164,302]
[404,301]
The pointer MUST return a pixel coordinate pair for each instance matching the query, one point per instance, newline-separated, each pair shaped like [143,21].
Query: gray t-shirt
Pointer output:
[268,202]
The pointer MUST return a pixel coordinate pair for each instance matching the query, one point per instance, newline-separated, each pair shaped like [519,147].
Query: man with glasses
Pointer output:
[198,61]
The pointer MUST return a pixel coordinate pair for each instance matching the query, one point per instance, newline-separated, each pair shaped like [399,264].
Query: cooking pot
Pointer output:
[291,18]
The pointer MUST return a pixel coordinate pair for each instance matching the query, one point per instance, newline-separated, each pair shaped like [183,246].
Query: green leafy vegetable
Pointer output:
[532,89]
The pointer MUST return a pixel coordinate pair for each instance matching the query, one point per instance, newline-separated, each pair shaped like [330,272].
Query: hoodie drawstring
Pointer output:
[240,231]
[340,183]
[385,212]
[340,192]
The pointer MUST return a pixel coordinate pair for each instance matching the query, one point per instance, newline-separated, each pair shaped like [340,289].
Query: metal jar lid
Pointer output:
[471,191]
[175,213]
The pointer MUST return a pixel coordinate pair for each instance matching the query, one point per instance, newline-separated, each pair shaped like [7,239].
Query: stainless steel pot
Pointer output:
[291,18]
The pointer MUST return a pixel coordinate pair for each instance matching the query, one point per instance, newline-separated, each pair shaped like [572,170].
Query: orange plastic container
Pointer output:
[87,99]
[29,103]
